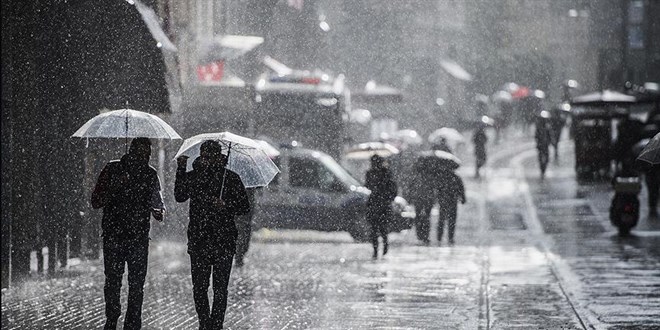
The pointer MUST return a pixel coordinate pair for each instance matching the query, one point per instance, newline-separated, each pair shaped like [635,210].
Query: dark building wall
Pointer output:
[48,64]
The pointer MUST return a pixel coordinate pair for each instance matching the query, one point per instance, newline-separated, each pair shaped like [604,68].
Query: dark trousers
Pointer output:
[378,219]
[201,269]
[448,213]
[115,255]
[423,211]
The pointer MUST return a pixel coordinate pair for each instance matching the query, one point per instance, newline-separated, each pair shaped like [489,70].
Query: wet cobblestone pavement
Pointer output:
[529,255]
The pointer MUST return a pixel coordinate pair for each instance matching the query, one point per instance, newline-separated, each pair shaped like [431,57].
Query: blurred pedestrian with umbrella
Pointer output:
[383,188]
[429,170]
[128,190]
[216,188]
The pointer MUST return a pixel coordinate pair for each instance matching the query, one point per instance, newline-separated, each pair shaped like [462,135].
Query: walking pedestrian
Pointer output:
[217,196]
[450,191]
[128,190]
[379,210]
[479,139]
[543,137]
[423,197]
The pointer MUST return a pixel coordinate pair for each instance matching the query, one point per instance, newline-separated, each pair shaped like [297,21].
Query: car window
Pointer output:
[309,173]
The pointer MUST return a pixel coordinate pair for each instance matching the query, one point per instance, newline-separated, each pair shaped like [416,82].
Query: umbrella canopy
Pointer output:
[650,156]
[126,123]
[606,97]
[368,149]
[434,160]
[247,157]
[447,133]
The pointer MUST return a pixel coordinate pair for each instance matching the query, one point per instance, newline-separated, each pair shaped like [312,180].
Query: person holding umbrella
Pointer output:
[128,190]
[217,195]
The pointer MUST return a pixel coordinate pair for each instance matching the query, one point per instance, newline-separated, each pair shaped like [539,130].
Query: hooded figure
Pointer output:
[379,210]
[128,190]
[217,196]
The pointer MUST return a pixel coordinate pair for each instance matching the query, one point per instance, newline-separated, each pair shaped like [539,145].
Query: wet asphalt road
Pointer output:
[529,254]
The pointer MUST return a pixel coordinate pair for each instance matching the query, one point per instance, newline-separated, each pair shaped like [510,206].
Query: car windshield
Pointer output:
[339,171]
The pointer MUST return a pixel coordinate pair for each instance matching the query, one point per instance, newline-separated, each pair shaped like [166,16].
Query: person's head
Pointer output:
[140,148]
[377,161]
[211,151]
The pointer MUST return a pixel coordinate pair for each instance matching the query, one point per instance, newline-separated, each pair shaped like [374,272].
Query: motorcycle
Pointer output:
[624,210]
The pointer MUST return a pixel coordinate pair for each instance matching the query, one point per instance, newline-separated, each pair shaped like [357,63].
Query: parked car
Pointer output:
[314,192]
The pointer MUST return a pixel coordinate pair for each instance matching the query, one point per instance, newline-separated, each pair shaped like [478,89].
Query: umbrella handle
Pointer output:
[224,172]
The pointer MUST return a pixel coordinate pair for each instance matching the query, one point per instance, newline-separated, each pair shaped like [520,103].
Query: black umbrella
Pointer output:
[435,160]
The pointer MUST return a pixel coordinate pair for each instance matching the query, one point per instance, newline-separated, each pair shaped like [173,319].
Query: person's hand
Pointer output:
[182,161]
[219,202]
[463,200]
[158,214]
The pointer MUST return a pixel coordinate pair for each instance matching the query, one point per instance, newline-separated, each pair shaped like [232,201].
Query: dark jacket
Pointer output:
[450,188]
[382,186]
[127,190]
[212,230]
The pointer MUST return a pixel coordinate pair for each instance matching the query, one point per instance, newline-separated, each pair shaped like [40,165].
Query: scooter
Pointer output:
[624,210]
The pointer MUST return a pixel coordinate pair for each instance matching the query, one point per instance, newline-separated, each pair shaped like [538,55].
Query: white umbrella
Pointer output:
[650,155]
[247,157]
[368,149]
[447,133]
[126,123]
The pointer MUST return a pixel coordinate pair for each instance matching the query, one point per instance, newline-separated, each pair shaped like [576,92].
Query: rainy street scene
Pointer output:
[330,164]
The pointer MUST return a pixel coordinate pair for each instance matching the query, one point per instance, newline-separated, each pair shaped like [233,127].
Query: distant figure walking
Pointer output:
[423,196]
[383,188]
[217,196]
[128,190]
[450,191]
[479,139]
[543,137]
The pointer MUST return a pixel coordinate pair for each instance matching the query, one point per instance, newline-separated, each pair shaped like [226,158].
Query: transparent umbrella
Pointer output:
[247,157]
[126,123]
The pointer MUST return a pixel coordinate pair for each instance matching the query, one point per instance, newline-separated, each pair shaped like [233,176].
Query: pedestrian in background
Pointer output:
[128,190]
[217,196]
[543,137]
[479,139]
[423,197]
[450,191]
[379,210]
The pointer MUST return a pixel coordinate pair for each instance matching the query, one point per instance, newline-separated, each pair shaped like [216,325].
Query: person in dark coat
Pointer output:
[128,190]
[423,197]
[217,196]
[383,188]
[479,138]
[450,191]
[543,137]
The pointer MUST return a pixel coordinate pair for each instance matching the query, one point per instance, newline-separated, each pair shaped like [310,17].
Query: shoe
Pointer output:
[374,256]
[451,241]
[385,250]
